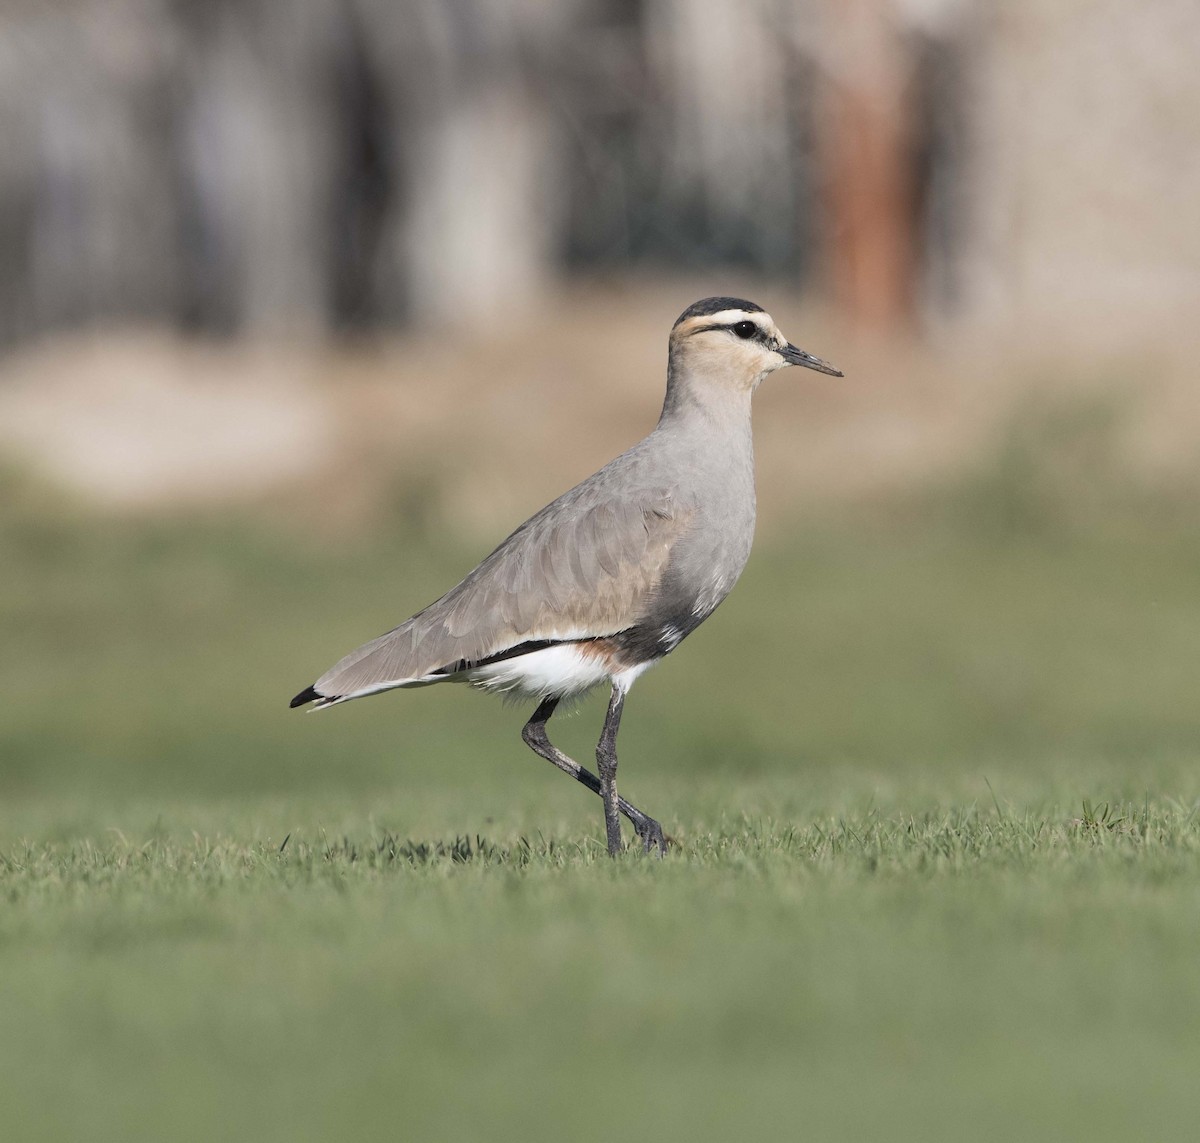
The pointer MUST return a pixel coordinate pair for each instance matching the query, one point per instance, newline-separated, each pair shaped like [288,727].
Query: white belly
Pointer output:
[561,670]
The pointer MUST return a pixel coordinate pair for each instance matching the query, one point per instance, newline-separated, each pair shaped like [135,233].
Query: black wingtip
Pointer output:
[306,695]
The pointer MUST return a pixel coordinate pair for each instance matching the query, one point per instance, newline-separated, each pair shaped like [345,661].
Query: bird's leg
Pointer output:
[535,736]
[649,832]
[606,763]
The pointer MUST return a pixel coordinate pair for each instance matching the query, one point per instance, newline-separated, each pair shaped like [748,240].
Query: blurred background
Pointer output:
[303,306]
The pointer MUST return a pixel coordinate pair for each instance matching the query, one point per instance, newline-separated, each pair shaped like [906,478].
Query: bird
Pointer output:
[612,576]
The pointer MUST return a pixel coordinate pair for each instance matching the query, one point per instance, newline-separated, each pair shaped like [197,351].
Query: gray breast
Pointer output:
[705,563]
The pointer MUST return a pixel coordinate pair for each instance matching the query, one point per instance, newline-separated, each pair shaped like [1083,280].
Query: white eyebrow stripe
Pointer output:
[728,317]
[725,319]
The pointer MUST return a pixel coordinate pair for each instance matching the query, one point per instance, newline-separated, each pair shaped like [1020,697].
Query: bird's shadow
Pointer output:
[390,850]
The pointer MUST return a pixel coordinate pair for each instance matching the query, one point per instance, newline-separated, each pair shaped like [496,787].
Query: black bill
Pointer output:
[794,356]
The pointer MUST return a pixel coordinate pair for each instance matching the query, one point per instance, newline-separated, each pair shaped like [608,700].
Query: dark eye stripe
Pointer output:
[757,332]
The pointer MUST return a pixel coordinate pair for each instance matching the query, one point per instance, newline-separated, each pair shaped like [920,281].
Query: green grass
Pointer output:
[933,778]
[953,972]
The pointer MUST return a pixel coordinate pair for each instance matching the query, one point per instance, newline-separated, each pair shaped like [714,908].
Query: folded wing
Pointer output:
[586,566]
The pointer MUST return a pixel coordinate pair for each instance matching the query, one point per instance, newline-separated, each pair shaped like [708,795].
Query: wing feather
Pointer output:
[586,565]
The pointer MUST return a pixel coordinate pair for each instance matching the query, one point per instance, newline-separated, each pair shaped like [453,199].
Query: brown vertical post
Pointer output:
[865,139]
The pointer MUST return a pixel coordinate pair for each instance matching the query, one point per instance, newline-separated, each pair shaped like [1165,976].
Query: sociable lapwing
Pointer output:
[614,574]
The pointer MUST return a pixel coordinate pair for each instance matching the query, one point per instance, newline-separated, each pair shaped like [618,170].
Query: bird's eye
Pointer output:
[745,329]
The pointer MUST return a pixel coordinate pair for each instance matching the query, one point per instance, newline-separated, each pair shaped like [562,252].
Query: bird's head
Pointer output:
[734,343]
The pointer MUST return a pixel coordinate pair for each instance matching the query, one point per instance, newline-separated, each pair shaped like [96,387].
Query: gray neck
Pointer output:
[696,400]
[705,429]
[704,440]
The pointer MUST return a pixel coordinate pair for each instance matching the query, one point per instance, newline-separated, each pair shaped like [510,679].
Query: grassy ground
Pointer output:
[933,777]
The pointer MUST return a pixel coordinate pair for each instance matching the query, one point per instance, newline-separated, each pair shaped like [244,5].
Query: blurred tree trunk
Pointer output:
[866,138]
[257,140]
[479,229]
[472,229]
[727,162]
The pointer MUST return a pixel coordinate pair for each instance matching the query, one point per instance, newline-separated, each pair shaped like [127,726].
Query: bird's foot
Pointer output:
[650,834]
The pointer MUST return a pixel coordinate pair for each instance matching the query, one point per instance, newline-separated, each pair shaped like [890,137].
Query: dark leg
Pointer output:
[649,832]
[606,763]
